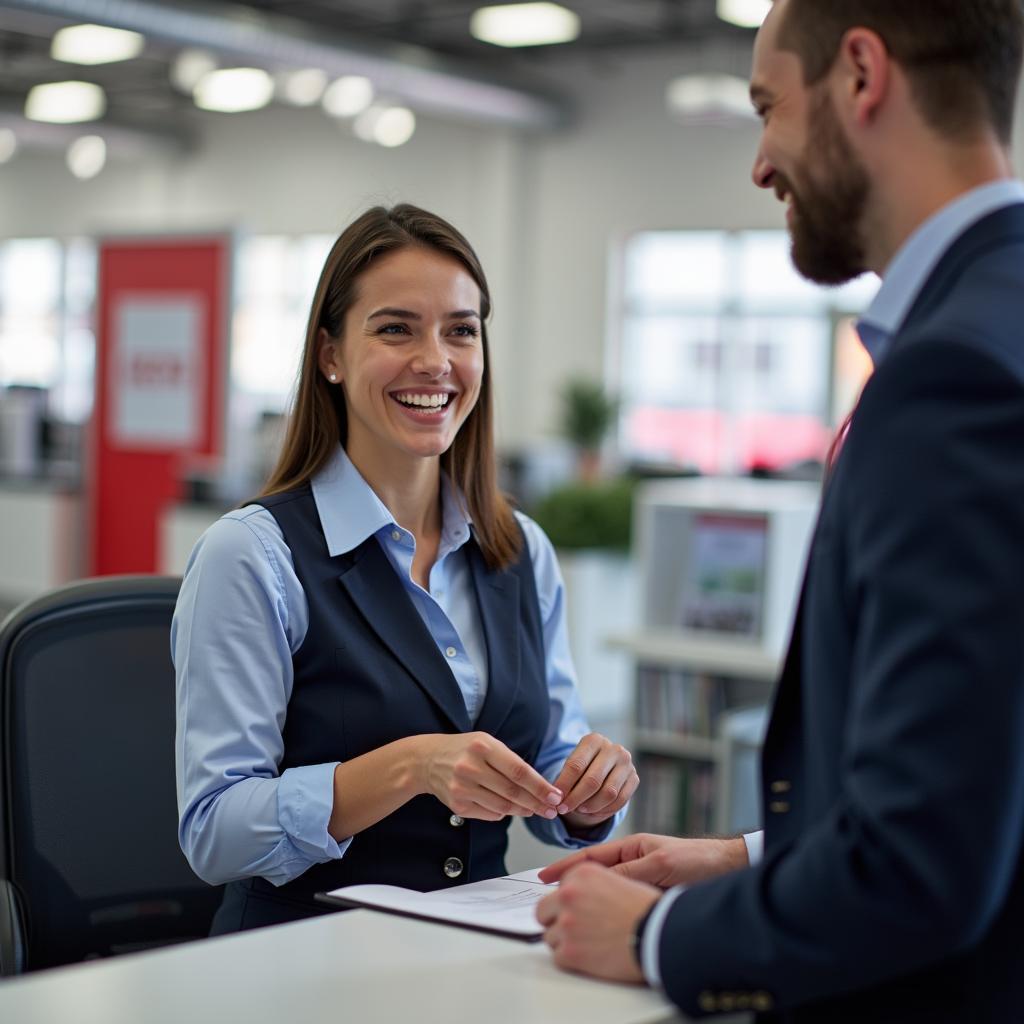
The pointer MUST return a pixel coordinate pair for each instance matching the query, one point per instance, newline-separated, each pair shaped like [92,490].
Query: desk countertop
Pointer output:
[354,966]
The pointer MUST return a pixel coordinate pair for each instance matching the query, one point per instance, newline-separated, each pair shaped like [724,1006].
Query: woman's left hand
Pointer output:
[598,778]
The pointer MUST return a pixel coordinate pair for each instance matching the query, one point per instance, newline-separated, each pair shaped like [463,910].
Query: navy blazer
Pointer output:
[892,887]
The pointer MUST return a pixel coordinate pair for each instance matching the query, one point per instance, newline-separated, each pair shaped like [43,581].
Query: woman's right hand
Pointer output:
[477,776]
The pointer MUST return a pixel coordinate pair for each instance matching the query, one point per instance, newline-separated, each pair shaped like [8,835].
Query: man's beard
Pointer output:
[828,205]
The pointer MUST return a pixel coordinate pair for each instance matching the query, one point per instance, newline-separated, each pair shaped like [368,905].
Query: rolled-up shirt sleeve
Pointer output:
[240,616]
[567,724]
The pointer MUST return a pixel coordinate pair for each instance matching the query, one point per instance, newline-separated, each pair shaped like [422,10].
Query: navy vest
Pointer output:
[369,672]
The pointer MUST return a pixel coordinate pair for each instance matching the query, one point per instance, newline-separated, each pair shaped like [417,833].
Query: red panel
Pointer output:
[130,483]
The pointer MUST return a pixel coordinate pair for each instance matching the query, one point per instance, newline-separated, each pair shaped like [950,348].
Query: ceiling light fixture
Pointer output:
[745,13]
[534,24]
[394,127]
[302,88]
[709,98]
[95,44]
[232,90]
[189,67]
[87,156]
[65,102]
[8,144]
[348,96]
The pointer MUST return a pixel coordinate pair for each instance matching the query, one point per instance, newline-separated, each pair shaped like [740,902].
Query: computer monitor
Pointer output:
[725,557]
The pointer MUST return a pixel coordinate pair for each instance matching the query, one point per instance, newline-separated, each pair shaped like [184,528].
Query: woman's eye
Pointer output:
[465,330]
[393,329]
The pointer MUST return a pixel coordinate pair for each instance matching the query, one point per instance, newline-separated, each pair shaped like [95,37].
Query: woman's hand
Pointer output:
[598,778]
[477,776]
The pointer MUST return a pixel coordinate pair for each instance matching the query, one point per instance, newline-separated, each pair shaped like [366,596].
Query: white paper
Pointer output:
[503,904]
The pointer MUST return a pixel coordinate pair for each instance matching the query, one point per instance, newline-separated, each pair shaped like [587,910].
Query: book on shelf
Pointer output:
[679,701]
[676,797]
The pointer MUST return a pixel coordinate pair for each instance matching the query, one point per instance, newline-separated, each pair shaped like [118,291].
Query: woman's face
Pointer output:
[410,356]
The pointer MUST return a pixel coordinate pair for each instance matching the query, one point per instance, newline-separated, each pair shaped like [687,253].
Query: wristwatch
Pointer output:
[637,938]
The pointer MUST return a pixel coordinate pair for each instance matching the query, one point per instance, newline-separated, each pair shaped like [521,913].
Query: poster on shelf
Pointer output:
[723,584]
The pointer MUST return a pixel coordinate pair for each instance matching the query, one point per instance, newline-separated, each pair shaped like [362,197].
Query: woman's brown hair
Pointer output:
[319,422]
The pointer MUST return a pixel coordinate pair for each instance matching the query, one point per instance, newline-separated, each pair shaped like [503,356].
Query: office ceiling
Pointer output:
[432,35]
[443,25]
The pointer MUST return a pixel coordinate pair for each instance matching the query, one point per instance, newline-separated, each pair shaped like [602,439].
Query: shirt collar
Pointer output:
[919,255]
[350,510]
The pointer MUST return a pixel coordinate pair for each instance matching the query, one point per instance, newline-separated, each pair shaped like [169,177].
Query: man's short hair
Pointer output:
[962,57]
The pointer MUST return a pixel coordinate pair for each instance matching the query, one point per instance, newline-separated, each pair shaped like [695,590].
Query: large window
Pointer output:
[47,291]
[729,360]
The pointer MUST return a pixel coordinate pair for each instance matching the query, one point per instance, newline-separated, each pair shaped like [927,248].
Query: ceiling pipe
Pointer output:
[412,74]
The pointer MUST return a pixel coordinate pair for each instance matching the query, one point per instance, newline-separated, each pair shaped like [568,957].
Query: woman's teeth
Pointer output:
[423,401]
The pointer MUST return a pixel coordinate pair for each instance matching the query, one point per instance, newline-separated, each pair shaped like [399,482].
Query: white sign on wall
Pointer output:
[157,383]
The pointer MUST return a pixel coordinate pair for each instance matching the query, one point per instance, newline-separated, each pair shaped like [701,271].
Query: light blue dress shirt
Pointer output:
[902,282]
[241,615]
[920,254]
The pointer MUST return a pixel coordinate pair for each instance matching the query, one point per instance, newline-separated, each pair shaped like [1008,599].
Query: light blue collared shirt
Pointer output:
[242,614]
[919,255]
[902,282]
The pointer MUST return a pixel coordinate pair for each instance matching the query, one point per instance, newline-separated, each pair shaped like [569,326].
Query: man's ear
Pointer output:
[864,67]
[327,355]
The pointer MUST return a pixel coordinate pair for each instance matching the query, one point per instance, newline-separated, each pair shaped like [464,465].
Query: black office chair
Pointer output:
[89,859]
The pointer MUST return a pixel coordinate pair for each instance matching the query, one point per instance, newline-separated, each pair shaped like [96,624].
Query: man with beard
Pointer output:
[890,886]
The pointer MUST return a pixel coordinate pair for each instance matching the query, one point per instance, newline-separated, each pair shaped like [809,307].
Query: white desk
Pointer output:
[356,966]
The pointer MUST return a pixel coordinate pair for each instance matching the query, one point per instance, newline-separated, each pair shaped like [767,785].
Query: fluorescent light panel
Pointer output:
[709,97]
[87,156]
[535,24]
[190,66]
[232,90]
[95,44]
[745,13]
[8,144]
[348,96]
[65,102]
[302,88]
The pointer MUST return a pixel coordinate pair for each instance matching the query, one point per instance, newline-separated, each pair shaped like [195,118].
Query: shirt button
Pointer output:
[453,867]
[456,821]
[451,652]
[395,535]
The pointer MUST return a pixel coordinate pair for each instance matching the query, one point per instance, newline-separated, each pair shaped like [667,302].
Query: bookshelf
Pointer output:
[719,566]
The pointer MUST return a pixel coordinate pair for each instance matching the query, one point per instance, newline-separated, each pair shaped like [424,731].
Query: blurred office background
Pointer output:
[603,178]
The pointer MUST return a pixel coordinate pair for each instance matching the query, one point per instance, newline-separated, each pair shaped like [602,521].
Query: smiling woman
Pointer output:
[372,661]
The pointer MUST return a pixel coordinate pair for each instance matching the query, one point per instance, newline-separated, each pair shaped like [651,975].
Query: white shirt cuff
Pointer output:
[755,847]
[651,942]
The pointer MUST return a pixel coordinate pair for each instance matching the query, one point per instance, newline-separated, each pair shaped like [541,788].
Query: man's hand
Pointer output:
[598,778]
[658,860]
[590,919]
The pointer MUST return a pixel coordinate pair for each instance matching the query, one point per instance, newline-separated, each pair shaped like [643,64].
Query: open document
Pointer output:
[504,906]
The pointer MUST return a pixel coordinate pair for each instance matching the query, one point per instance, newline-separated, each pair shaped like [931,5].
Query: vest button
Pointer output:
[456,822]
[453,867]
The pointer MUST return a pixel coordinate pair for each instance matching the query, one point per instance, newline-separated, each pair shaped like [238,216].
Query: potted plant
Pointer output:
[588,413]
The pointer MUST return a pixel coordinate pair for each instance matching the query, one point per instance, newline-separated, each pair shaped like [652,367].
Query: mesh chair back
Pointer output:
[88,820]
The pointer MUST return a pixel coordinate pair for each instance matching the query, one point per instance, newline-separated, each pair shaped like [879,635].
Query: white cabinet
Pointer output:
[719,563]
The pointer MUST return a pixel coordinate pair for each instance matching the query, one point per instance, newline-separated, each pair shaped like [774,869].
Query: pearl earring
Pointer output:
[333,377]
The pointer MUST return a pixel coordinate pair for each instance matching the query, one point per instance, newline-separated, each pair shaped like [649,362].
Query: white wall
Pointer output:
[545,212]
